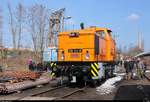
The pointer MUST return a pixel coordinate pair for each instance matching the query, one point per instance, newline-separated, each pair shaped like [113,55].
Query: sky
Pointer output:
[124,17]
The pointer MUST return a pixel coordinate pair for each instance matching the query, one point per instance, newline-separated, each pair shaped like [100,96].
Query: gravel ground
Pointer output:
[124,90]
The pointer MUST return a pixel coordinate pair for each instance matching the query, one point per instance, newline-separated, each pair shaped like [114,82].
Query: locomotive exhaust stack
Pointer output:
[82,25]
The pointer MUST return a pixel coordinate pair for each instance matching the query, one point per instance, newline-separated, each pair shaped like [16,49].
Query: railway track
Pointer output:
[61,92]
[28,92]
[37,92]
[73,92]
[67,93]
[56,93]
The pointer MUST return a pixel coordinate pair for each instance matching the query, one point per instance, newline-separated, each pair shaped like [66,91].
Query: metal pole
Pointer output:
[63,23]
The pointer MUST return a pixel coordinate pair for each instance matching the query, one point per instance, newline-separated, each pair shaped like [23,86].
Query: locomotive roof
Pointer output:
[86,30]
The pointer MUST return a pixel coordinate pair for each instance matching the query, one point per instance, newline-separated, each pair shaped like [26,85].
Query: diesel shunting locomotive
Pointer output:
[85,55]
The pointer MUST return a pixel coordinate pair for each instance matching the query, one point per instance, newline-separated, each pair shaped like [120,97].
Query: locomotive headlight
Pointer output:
[87,55]
[62,55]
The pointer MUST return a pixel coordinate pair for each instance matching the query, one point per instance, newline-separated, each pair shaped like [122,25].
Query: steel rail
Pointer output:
[51,89]
[71,93]
[41,92]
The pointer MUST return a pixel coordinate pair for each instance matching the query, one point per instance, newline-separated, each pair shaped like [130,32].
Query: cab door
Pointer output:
[96,46]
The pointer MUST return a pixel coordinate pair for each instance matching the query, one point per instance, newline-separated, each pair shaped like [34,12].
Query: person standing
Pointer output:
[30,65]
[127,68]
[140,68]
[131,65]
[145,66]
[40,66]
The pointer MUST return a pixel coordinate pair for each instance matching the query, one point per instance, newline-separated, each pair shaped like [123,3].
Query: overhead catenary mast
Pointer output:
[56,20]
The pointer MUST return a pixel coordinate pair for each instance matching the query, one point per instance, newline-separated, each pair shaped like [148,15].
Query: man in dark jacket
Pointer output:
[131,65]
[39,66]
[127,68]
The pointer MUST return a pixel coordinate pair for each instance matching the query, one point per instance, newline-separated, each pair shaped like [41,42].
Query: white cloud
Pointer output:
[133,17]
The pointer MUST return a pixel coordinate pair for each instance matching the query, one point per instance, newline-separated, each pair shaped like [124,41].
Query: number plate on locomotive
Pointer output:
[74,55]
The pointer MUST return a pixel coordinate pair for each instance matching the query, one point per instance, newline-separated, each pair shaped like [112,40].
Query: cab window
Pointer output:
[112,36]
[109,32]
[101,34]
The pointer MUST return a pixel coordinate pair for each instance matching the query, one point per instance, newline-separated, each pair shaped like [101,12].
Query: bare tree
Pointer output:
[13,26]
[42,29]
[37,26]
[16,24]
[20,20]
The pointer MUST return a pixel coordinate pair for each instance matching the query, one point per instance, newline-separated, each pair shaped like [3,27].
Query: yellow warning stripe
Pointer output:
[52,64]
[96,65]
[52,74]
[94,68]
[93,73]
